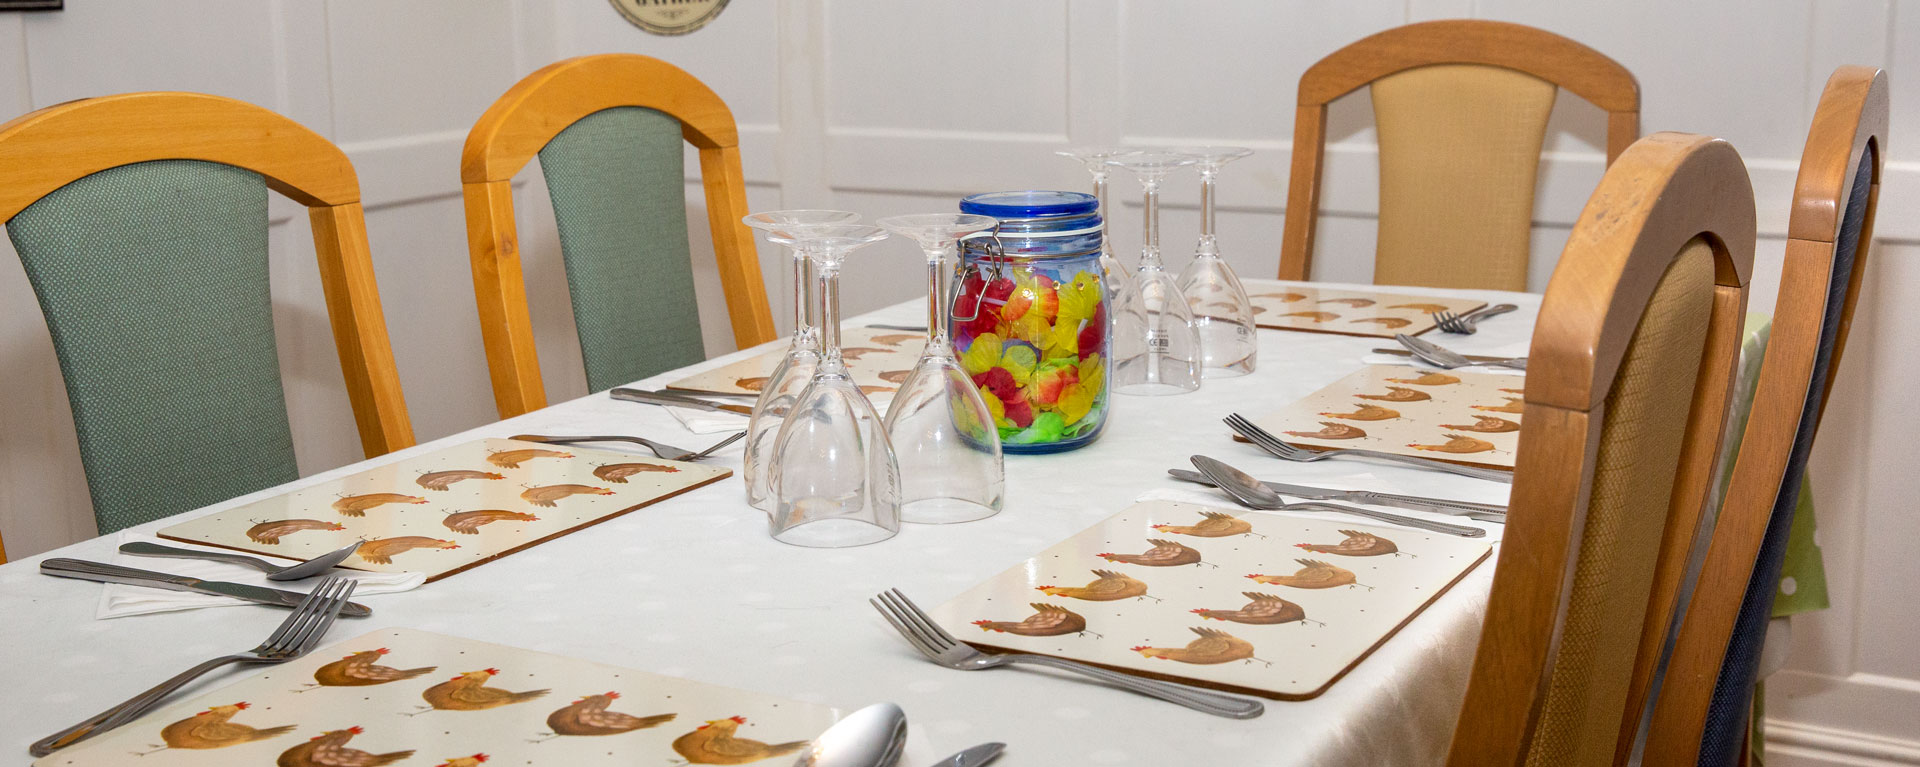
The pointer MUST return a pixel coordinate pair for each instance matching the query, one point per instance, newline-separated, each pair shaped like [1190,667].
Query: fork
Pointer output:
[1448,359]
[1463,324]
[1265,440]
[661,449]
[296,636]
[941,648]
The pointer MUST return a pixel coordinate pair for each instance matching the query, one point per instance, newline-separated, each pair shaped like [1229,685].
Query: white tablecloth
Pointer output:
[693,587]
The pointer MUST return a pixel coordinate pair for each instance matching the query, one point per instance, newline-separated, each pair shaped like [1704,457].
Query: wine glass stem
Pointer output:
[1206,212]
[1150,250]
[804,313]
[1100,200]
[939,301]
[830,317]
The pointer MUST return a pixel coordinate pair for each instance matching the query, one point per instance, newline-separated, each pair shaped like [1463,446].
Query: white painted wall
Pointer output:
[887,107]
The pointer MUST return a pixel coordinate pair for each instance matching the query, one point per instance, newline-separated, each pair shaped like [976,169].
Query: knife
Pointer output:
[655,398]
[105,573]
[1470,357]
[973,757]
[1486,512]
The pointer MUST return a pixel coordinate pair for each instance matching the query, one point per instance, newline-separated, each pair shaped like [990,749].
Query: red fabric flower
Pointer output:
[1095,333]
[1000,382]
[985,311]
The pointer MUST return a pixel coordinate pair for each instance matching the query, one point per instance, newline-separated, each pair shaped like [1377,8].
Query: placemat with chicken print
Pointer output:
[878,358]
[450,509]
[400,696]
[1252,602]
[1462,417]
[1304,306]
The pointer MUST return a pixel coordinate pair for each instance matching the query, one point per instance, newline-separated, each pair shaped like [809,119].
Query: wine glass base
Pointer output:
[1153,390]
[945,511]
[833,534]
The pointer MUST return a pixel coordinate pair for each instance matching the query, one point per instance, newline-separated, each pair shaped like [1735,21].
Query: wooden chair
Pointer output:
[141,220]
[1702,713]
[1461,110]
[608,129]
[1615,459]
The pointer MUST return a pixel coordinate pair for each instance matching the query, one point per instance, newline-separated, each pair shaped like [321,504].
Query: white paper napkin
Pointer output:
[1505,350]
[119,600]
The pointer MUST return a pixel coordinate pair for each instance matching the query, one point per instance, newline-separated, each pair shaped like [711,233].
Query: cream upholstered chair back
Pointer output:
[1461,109]
[1627,387]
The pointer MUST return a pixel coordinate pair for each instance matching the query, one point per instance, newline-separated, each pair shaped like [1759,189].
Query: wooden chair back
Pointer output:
[1461,110]
[520,124]
[45,151]
[1615,459]
[1705,695]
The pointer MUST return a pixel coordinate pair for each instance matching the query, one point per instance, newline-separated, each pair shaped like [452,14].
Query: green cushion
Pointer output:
[153,280]
[617,178]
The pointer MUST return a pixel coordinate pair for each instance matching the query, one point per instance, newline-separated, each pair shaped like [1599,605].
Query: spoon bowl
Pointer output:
[870,737]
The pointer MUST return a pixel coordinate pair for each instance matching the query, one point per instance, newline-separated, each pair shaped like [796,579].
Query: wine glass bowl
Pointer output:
[941,429]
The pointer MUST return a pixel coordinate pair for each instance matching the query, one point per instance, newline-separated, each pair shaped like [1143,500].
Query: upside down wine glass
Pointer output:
[1167,360]
[1123,291]
[834,478]
[1222,313]
[942,431]
[789,228]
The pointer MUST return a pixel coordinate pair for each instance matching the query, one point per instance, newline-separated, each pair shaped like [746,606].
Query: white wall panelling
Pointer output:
[887,107]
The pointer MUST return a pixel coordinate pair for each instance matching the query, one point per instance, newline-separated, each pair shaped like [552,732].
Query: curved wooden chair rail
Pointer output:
[1542,54]
[52,147]
[1849,127]
[1663,192]
[514,130]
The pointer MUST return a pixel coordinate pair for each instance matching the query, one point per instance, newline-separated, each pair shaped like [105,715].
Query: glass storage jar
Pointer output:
[1030,318]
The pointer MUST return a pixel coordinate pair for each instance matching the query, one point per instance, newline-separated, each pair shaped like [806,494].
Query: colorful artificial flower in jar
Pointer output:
[1030,318]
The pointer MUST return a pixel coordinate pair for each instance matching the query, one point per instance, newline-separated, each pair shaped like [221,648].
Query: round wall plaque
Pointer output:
[670,17]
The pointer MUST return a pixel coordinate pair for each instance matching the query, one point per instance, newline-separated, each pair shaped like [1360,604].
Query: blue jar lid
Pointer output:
[1029,204]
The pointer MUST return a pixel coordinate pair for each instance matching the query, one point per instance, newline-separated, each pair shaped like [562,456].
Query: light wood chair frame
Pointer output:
[1567,64]
[1849,124]
[514,130]
[45,150]
[1615,258]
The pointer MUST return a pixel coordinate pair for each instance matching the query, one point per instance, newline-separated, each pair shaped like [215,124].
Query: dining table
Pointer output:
[694,587]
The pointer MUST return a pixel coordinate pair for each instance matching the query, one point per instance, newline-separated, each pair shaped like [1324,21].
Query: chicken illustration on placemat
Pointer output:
[589,716]
[1046,621]
[469,692]
[618,473]
[716,743]
[877,359]
[1213,646]
[214,728]
[362,669]
[441,480]
[1213,524]
[547,495]
[1313,574]
[1359,543]
[329,749]
[1264,609]
[357,505]
[381,551]
[1164,553]
[1106,587]
[271,531]
[469,522]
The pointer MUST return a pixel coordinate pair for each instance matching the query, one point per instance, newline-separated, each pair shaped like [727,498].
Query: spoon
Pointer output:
[307,569]
[870,737]
[1251,494]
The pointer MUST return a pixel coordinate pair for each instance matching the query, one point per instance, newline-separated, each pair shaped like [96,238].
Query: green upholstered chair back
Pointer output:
[153,280]
[618,181]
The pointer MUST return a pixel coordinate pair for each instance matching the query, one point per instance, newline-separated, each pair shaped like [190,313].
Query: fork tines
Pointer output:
[1261,438]
[1448,322]
[913,623]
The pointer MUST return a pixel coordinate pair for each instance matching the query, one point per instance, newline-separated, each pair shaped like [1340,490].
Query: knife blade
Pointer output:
[973,757]
[652,398]
[1470,357]
[102,572]
[1487,512]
